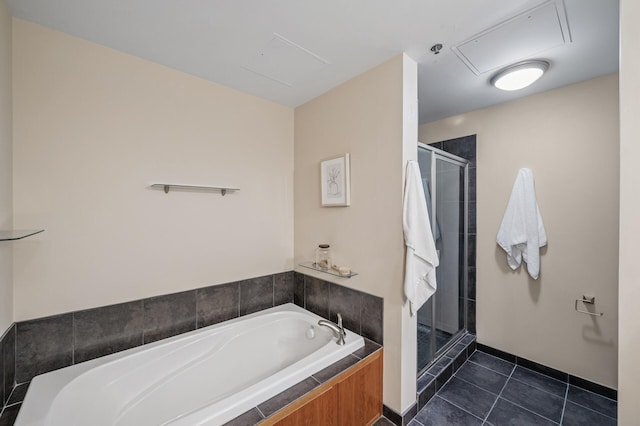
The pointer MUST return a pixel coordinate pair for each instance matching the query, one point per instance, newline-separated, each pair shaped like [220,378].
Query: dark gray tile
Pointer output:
[471,284]
[506,413]
[217,303]
[9,415]
[347,303]
[472,184]
[283,288]
[249,418]
[410,414]
[439,365]
[540,402]
[471,349]
[424,380]
[471,253]
[468,396]
[285,398]
[483,377]
[596,402]
[372,317]
[437,145]
[576,415]
[298,291]
[335,368]
[426,393]
[496,364]
[316,293]
[166,316]
[444,376]
[393,417]
[256,294]
[439,412]
[459,361]
[464,147]
[471,316]
[368,348]
[18,393]
[106,330]
[593,387]
[9,360]
[543,369]
[456,350]
[468,339]
[540,381]
[383,421]
[43,345]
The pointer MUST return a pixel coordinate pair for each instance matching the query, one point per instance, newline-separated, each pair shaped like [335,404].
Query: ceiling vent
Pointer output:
[285,62]
[523,36]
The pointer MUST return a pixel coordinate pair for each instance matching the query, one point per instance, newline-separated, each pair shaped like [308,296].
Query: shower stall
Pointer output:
[442,320]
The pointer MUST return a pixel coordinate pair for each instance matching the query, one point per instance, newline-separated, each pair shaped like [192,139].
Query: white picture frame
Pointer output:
[335,182]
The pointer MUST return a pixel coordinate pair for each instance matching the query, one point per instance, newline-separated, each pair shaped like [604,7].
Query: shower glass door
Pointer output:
[442,319]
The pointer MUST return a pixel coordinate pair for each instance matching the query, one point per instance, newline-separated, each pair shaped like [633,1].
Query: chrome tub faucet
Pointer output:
[338,330]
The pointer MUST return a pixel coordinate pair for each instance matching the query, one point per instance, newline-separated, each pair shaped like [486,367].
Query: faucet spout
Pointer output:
[338,330]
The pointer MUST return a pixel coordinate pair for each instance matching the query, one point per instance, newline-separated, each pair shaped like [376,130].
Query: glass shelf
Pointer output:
[312,265]
[18,234]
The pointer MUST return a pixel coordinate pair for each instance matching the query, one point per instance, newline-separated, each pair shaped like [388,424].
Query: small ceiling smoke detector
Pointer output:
[520,75]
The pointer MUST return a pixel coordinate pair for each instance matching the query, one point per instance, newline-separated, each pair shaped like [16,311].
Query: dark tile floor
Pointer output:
[491,391]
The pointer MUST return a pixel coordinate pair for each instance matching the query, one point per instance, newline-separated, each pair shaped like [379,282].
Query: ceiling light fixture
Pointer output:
[520,75]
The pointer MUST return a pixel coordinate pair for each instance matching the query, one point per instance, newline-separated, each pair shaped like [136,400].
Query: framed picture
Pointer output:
[335,181]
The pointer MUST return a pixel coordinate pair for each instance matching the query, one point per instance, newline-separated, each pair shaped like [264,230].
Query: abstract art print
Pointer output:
[335,181]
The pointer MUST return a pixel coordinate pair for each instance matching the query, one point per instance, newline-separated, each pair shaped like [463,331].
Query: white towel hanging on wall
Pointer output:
[421,257]
[522,232]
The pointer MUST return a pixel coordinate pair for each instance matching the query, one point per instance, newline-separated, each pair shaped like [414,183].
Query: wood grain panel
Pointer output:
[322,410]
[359,389]
[360,396]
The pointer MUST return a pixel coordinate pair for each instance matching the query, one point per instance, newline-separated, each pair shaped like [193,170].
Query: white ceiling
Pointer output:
[290,51]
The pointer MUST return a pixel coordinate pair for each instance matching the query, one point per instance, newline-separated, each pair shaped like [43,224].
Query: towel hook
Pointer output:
[590,300]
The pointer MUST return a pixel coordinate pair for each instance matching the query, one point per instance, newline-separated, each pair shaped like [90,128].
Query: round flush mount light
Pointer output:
[520,75]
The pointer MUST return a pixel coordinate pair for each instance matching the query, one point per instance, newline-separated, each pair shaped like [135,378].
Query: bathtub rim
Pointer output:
[45,387]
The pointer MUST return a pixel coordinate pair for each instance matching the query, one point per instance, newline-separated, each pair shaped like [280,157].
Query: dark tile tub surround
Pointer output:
[361,312]
[44,344]
[107,330]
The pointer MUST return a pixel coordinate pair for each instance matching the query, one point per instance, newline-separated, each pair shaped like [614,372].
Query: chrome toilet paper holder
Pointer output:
[589,300]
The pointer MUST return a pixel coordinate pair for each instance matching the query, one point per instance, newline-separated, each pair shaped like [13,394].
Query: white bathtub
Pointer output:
[205,377]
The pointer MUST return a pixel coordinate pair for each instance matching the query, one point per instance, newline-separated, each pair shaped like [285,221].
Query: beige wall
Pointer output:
[569,138]
[366,118]
[6,134]
[93,128]
[629,333]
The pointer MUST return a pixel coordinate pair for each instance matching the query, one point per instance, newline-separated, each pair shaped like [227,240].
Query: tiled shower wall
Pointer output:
[36,346]
[465,147]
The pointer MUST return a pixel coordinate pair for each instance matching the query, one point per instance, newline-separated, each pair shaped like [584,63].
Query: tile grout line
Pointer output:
[456,405]
[564,404]
[490,369]
[568,382]
[499,395]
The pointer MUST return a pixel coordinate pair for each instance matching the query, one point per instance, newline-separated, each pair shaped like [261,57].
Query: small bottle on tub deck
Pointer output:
[323,257]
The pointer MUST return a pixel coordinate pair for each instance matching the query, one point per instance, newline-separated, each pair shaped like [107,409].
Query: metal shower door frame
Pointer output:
[438,154]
